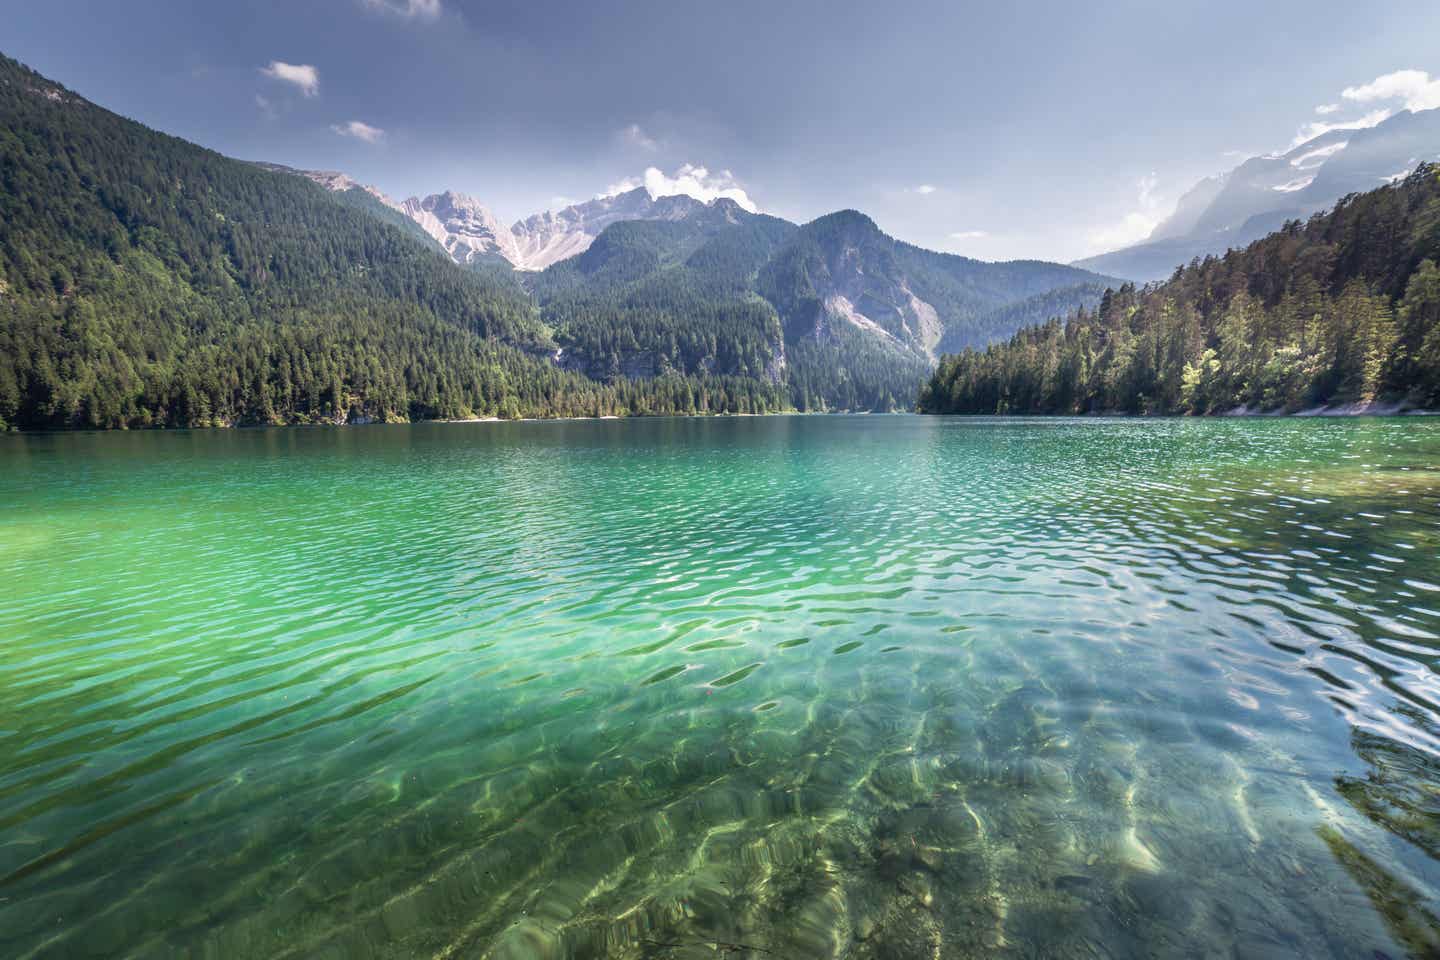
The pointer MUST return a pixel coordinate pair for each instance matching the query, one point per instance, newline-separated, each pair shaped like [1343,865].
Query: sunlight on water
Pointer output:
[870,687]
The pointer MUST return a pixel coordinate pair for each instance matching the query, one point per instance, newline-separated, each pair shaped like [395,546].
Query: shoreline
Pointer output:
[330,424]
[1336,411]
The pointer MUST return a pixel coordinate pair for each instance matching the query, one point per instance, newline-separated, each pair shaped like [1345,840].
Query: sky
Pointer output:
[1048,129]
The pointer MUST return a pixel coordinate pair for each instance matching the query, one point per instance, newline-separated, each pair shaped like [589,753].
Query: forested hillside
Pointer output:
[1344,308]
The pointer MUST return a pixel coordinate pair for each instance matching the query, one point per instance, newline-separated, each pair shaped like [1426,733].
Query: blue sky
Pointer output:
[997,130]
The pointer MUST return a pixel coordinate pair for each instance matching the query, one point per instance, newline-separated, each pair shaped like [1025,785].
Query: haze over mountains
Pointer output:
[1256,198]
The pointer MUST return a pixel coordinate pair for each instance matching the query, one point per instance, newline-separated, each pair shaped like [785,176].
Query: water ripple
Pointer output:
[806,687]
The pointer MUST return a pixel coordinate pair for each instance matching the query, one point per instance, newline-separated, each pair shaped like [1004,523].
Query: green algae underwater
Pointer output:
[862,687]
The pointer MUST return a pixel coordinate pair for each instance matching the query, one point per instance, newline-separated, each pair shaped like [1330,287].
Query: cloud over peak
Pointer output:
[1416,88]
[360,131]
[1310,131]
[1406,89]
[301,75]
[689,180]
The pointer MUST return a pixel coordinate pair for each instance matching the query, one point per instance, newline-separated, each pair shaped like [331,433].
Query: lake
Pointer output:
[871,687]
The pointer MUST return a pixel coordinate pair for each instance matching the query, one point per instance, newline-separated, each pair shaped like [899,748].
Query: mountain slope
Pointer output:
[547,238]
[845,315]
[1002,322]
[1256,198]
[1345,309]
[664,296]
[843,271]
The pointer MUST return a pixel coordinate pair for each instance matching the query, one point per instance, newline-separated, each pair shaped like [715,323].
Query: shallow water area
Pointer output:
[862,687]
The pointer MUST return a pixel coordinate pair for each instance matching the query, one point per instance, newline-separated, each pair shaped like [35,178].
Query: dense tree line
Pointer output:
[1341,309]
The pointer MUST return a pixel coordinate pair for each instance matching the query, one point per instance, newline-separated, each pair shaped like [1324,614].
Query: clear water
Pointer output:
[882,687]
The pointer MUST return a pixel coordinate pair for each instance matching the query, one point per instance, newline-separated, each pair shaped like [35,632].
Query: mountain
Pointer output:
[969,302]
[843,271]
[1256,198]
[467,229]
[464,228]
[548,238]
[1344,309]
[848,316]
[658,297]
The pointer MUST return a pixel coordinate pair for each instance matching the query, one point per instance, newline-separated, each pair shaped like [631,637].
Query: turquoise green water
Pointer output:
[882,687]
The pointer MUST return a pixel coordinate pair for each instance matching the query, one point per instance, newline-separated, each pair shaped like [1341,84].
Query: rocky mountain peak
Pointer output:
[463,226]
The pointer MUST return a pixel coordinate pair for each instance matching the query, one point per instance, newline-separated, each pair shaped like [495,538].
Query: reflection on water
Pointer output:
[872,687]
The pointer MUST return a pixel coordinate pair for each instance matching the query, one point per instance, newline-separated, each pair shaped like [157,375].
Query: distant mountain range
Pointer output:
[844,313]
[146,281]
[1235,209]
[472,234]
[837,278]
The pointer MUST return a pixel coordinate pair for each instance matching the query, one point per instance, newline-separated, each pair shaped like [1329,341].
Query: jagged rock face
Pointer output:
[470,232]
[851,270]
[556,235]
[463,226]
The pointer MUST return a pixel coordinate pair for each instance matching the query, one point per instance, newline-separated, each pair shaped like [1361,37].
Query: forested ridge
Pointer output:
[692,296]
[1342,309]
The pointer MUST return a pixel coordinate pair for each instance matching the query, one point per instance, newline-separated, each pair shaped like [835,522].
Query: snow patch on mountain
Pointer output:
[1293,185]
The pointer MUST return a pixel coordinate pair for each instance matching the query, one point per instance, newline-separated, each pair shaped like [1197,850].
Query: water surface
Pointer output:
[863,687]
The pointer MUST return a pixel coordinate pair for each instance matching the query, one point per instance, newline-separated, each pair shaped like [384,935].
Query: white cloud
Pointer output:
[969,235]
[1320,127]
[409,9]
[1416,88]
[622,186]
[302,75]
[925,189]
[635,136]
[266,107]
[360,131]
[560,203]
[689,180]
[1137,225]
[1408,89]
